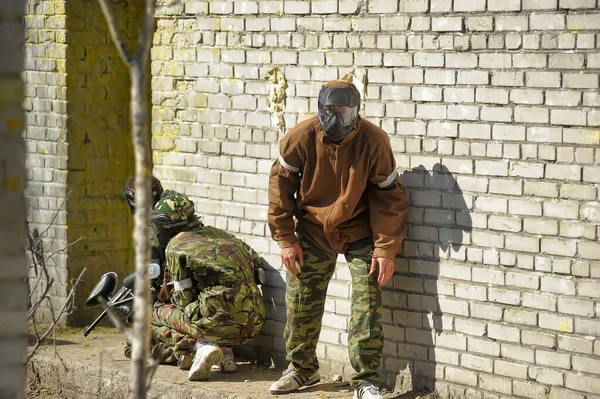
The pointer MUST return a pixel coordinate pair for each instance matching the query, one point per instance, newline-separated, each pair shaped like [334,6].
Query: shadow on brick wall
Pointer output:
[438,224]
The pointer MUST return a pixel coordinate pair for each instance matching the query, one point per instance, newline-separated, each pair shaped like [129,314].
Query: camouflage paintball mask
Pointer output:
[172,214]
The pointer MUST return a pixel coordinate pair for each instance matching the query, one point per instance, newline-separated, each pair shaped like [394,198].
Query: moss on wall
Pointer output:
[100,146]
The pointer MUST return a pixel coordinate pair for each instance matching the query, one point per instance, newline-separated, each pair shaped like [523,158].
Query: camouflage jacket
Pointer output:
[213,275]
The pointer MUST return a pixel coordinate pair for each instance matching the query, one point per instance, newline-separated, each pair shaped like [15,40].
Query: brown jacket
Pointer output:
[337,193]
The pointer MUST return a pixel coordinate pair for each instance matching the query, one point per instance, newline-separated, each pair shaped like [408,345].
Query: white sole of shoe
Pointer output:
[202,373]
[311,381]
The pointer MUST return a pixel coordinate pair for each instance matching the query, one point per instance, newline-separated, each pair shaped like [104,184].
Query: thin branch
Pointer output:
[145,39]
[68,303]
[114,32]
[56,214]
[41,299]
[63,249]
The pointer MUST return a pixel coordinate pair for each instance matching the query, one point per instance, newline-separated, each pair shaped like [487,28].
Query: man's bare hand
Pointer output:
[289,256]
[386,269]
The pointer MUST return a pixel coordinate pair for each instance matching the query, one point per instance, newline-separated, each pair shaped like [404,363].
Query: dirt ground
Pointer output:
[102,353]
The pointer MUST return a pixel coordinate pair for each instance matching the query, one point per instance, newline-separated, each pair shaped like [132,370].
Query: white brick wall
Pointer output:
[497,103]
[13,335]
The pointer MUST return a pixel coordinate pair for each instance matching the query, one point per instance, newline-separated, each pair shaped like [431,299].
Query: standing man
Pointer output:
[335,190]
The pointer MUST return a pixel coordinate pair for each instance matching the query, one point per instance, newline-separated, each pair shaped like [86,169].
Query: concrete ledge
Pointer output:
[94,367]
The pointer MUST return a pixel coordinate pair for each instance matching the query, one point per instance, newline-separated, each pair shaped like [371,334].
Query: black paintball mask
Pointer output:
[129,192]
[338,111]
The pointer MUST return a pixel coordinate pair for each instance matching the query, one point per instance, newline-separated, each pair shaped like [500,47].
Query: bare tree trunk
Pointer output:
[143,194]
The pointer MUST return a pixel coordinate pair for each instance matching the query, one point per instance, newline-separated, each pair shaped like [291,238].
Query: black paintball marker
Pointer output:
[123,299]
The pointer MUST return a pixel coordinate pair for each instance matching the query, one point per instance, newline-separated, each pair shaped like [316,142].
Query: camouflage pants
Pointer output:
[171,327]
[171,334]
[305,300]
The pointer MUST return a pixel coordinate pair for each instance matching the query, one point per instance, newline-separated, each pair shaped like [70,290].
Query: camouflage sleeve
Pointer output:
[156,251]
[184,290]
[256,260]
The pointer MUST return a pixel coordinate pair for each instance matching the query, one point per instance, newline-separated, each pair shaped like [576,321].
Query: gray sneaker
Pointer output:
[368,391]
[291,381]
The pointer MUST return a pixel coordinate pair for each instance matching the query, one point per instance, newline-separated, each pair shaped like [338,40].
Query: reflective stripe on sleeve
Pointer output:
[182,284]
[390,179]
[288,166]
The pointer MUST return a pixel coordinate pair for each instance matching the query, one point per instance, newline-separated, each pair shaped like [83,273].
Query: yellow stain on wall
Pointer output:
[564,327]
[593,138]
[13,184]
[14,125]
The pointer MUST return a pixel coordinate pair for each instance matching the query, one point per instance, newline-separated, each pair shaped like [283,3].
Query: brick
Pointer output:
[500,295]
[526,96]
[496,114]
[462,112]
[517,353]
[511,23]
[553,359]
[414,6]
[536,338]
[580,81]
[495,61]
[583,22]
[561,393]
[461,376]
[528,389]
[554,21]
[483,346]
[531,114]
[459,95]
[524,244]
[491,96]
[451,340]
[442,129]
[426,111]
[439,77]
[540,226]
[541,189]
[508,369]
[575,307]
[558,285]
[494,383]
[589,250]
[447,24]
[575,344]
[545,376]
[520,317]
[476,363]
[534,61]
[542,79]
[563,98]
[461,60]
[555,246]
[429,59]
[507,78]
[469,6]
[491,168]
[426,94]
[473,77]
[587,327]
